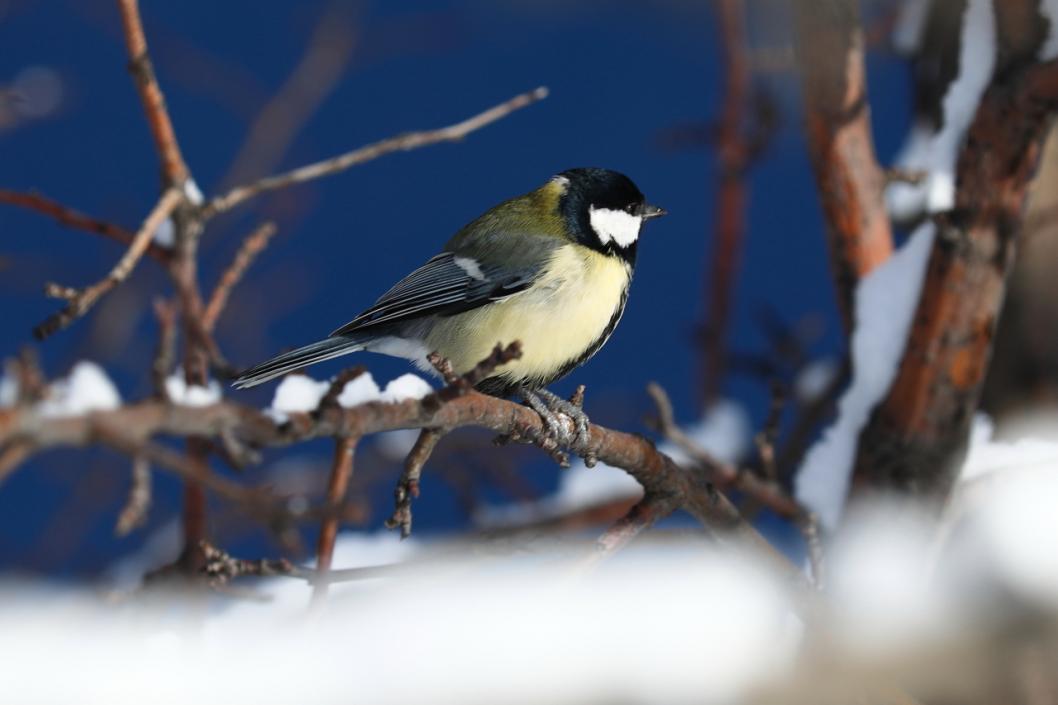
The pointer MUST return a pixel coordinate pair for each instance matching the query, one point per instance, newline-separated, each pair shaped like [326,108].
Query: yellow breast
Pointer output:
[557,319]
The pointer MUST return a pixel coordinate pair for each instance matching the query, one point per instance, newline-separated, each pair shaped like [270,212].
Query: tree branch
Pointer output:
[659,474]
[917,436]
[252,246]
[337,486]
[72,219]
[838,122]
[405,142]
[174,170]
[81,301]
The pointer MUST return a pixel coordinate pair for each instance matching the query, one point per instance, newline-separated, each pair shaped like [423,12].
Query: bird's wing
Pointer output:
[447,284]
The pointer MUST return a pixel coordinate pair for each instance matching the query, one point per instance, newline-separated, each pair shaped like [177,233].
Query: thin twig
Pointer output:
[733,157]
[766,438]
[252,246]
[408,485]
[770,494]
[70,218]
[405,142]
[11,456]
[86,298]
[337,487]
[165,313]
[220,568]
[809,527]
[134,513]
[174,170]
[640,517]
[330,399]
[458,386]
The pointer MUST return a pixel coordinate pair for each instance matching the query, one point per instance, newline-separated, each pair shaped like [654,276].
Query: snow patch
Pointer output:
[910,25]
[395,445]
[936,153]
[8,390]
[885,305]
[183,394]
[165,235]
[359,390]
[407,386]
[87,388]
[297,394]
[1049,50]
[814,379]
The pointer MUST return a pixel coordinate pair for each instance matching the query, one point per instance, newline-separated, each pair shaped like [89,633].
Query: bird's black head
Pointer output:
[604,210]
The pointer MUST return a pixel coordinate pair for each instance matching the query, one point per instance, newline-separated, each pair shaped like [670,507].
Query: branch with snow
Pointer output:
[918,433]
[297,415]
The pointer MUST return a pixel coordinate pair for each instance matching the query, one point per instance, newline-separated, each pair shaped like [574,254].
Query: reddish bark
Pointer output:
[917,436]
[838,124]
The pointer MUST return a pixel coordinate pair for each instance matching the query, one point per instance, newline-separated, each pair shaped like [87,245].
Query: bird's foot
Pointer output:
[550,407]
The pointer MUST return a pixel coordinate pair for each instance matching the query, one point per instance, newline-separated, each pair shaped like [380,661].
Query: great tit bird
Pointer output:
[550,268]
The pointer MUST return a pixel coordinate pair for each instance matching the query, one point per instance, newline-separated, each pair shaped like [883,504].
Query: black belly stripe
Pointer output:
[502,386]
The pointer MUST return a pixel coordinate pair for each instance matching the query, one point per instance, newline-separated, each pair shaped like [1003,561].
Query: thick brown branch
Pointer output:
[917,435]
[82,301]
[838,123]
[72,219]
[405,142]
[252,246]
[658,473]
[174,170]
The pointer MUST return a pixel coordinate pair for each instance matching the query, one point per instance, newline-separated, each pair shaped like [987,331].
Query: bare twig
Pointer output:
[343,378]
[458,386]
[408,485]
[252,246]
[640,517]
[766,492]
[220,568]
[134,513]
[337,486]
[164,352]
[86,298]
[174,170]
[408,141]
[809,526]
[766,437]
[11,456]
[732,192]
[72,219]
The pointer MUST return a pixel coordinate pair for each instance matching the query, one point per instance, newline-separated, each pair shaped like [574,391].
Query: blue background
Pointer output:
[620,74]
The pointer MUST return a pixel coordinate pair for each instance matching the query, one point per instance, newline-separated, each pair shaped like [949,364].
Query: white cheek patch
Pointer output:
[469,266]
[615,225]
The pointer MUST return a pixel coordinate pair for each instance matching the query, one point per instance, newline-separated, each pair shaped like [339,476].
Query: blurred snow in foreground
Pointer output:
[664,621]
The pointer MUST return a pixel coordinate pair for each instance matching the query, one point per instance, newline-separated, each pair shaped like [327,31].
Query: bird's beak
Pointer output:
[647,211]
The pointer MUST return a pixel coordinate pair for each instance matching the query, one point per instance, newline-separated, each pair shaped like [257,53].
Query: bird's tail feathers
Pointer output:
[296,359]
